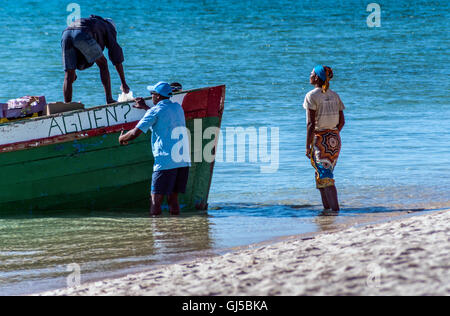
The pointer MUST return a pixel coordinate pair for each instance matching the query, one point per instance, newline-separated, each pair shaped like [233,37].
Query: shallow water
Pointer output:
[393,80]
[38,252]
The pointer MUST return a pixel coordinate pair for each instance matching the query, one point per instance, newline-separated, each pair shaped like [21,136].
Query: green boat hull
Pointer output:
[94,173]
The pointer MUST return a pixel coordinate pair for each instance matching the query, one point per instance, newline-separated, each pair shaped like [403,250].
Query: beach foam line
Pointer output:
[410,256]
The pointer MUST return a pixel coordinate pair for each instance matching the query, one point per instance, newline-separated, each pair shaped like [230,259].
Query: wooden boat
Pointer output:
[73,160]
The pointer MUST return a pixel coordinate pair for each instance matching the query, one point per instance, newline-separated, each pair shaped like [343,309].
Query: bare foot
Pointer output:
[328,212]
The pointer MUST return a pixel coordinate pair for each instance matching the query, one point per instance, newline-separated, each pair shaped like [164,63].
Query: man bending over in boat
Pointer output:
[82,45]
[170,175]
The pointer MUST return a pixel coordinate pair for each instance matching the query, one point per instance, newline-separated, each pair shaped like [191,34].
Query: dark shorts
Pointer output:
[170,181]
[79,50]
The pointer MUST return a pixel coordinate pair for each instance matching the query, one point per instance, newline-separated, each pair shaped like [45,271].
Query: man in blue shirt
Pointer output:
[82,45]
[172,155]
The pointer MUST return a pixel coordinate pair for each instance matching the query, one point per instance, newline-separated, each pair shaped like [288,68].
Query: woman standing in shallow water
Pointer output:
[325,120]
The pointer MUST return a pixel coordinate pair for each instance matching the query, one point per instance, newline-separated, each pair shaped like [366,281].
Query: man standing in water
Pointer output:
[325,120]
[170,174]
[82,45]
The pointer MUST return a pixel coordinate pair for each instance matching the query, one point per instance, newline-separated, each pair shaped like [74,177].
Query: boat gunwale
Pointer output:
[48,141]
[34,119]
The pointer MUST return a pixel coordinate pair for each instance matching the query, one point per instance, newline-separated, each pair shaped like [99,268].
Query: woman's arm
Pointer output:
[341,121]
[310,131]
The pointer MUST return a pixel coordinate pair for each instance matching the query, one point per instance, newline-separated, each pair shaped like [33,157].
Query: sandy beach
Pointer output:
[410,256]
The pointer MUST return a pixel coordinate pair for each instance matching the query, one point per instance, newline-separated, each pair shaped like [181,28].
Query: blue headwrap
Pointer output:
[320,72]
[326,74]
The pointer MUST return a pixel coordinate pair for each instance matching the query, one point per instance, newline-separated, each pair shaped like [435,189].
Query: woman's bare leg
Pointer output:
[325,203]
[332,198]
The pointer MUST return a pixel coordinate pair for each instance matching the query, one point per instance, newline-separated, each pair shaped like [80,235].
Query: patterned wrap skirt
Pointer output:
[325,153]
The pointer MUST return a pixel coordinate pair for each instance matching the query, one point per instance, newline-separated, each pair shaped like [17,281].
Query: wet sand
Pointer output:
[407,256]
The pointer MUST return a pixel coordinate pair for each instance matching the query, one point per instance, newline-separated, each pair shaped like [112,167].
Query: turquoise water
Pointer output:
[393,80]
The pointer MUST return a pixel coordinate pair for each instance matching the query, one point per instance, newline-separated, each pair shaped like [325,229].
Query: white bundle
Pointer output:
[124,97]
